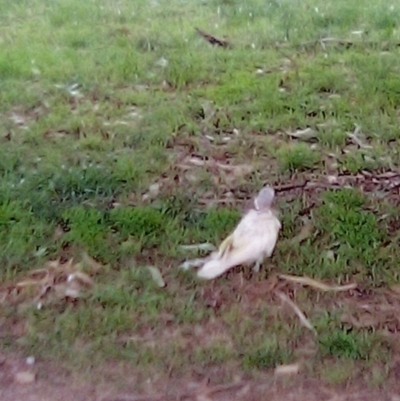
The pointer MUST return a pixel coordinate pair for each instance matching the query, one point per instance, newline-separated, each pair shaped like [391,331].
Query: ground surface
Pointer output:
[54,384]
[129,129]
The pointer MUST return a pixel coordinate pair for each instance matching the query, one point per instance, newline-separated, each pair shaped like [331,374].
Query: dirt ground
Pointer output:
[52,384]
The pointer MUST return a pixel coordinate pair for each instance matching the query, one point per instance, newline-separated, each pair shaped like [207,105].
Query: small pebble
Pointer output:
[30,360]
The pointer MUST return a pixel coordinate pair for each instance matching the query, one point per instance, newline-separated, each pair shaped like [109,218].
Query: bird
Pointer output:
[253,239]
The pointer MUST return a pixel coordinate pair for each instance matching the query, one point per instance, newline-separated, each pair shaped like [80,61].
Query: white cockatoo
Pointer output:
[253,239]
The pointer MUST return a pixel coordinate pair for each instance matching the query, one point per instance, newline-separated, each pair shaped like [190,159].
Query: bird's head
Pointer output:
[264,199]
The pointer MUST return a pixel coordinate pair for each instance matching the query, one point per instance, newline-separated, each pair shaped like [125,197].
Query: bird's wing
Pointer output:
[225,246]
[255,225]
[244,232]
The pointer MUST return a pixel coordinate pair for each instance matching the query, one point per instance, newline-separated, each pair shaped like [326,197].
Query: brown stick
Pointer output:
[212,39]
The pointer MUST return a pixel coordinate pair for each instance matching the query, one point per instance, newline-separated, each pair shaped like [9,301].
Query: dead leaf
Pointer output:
[306,232]
[60,290]
[81,278]
[196,162]
[206,246]
[17,119]
[303,319]
[306,134]
[73,293]
[356,138]
[27,283]
[153,192]
[25,377]
[53,282]
[156,275]
[237,170]
[291,369]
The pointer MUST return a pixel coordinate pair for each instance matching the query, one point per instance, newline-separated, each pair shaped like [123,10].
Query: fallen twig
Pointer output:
[317,284]
[206,246]
[222,387]
[303,319]
[289,187]
[212,39]
[341,42]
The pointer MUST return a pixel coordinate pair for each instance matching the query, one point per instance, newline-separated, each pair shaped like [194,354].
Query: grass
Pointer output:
[100,102]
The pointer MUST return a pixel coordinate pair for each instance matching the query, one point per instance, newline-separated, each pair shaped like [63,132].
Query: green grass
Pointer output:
[101,100]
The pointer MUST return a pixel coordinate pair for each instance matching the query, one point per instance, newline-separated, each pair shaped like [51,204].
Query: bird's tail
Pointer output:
[214,268]
[219,262]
